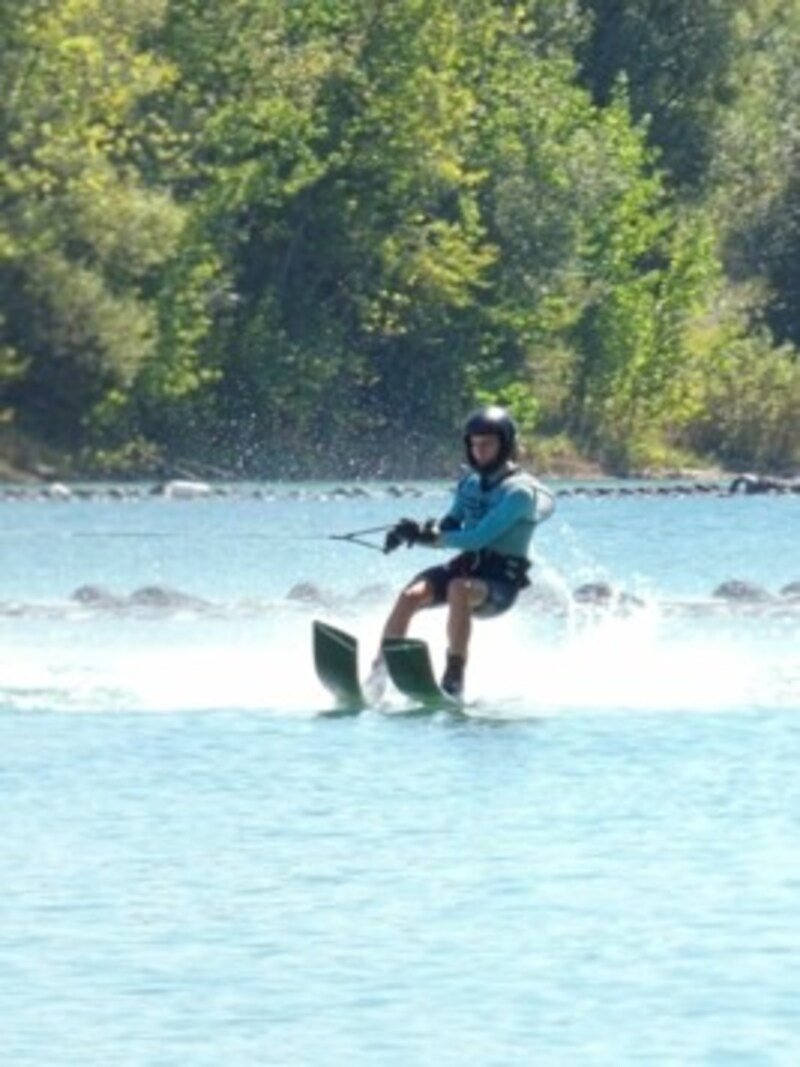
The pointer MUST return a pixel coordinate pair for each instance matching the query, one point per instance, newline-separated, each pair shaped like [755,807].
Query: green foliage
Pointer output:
[678,59]
[82,237]
[282,236]
[750,407]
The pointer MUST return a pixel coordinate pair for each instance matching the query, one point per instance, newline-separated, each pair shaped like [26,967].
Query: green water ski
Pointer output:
[408,661]
[336,664]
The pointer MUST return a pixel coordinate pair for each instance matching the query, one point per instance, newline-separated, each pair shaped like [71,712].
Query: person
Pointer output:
[495,510]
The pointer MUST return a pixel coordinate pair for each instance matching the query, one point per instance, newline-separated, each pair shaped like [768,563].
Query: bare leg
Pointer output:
[412,599]
[463,596]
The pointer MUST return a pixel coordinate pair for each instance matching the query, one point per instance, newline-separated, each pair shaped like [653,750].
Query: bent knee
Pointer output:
[459,591]
[416,596]
[466,592]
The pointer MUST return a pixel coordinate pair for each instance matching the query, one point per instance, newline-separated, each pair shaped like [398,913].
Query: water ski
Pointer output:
[336,663]
[408,661]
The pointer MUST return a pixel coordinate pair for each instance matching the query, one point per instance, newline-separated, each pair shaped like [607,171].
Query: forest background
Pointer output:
[304,237]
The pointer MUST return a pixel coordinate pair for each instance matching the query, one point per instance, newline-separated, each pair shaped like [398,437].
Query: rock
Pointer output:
[97,596]
[160,596]
[601,594]
[593,593]
[759,483]
[307,593]
[741,591]
[183,490]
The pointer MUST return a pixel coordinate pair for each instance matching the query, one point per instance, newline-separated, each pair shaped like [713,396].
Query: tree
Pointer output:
[82,237]
[678,60]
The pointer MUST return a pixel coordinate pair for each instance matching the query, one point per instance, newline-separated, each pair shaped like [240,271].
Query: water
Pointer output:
[599,863]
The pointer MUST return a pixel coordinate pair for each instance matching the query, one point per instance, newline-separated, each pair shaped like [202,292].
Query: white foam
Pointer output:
[524,663]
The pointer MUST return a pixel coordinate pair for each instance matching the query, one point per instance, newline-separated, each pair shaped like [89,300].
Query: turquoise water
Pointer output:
[599,863]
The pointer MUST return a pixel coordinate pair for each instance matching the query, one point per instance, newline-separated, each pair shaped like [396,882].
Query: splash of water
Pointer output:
[525,664]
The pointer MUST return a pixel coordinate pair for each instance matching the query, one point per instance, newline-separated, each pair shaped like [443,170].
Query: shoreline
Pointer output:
[39,475]
[332,489]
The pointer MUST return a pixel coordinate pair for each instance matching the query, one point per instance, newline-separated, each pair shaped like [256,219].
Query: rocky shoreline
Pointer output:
[733,597]
[182,490]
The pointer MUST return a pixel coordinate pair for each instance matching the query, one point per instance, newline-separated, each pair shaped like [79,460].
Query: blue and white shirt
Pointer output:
[498,514]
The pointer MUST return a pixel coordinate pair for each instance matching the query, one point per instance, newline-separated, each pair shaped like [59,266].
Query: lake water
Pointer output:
[598,863]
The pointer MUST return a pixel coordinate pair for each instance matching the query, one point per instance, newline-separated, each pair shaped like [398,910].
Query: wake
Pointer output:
[525,665]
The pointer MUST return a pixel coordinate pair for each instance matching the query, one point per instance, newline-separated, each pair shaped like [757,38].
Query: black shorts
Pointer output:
[501,591]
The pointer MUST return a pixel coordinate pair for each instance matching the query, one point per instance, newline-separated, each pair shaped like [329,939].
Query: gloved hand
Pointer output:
[404,532]
[428,534]
[409,532]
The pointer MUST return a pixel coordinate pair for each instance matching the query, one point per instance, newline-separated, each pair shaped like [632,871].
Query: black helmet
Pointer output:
[492,420]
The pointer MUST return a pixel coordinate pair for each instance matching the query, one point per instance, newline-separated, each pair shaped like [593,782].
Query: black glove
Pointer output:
[428,534]
[404,532]
[408,532]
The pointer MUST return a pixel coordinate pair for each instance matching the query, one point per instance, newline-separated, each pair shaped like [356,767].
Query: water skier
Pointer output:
[495,509]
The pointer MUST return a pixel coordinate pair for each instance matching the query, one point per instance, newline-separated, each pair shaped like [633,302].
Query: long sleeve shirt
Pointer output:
[500,516]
